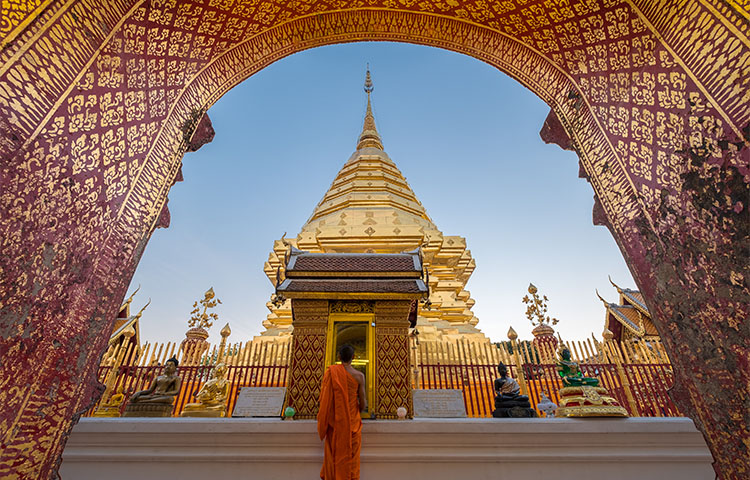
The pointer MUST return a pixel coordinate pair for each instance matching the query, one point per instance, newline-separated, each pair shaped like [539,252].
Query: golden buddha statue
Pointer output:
[212,397]
[111,408]
[582,396]
[158,399]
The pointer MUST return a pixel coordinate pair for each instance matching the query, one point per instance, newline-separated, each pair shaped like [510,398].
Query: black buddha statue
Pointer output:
[508,400]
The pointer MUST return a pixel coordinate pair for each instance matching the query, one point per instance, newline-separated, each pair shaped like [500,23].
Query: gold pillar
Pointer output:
[392,380]
[512,336]
[611,345]
[310,320]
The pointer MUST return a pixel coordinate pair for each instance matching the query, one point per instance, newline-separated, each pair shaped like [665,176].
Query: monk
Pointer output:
[342,397]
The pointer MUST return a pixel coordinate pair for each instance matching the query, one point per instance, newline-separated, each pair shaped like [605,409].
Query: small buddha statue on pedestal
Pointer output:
[509,402]
[212,397]
[582,396]
[158,399]
[111,408]
[570,373]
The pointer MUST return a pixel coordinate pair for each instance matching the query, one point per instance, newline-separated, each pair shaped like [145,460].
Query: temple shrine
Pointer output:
[629,319]
[370,208]
[126,323]
[367,301]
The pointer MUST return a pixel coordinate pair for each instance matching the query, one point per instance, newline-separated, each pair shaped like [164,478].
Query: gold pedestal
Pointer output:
[107,411]
[148,410]
[585,401]
[203,412]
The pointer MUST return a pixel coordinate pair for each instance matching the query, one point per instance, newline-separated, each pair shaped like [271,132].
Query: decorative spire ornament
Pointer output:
[368,82]
[536,312]
[369,136]
[195,344]
[204,319]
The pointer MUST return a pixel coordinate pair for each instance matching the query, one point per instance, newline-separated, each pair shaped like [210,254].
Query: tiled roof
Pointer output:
[636,299]
[408,286]
[353,262]
[121,324]
[628,316]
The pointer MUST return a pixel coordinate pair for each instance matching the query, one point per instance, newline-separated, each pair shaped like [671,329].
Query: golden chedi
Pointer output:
[370,208]
[212,397]
[582,396]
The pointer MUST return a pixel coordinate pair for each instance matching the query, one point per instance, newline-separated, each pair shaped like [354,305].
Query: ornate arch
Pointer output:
[531,68]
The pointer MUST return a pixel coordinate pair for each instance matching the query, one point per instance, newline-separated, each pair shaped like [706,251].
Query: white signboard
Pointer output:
[259,402]
[439,403]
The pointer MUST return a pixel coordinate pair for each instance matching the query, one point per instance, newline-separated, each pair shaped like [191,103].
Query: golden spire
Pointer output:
[369,136]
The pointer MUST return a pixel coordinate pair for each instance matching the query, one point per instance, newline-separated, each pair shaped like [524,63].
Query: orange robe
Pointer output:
[340,425]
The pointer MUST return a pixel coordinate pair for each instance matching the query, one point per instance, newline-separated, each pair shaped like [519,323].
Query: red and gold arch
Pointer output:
[100,99]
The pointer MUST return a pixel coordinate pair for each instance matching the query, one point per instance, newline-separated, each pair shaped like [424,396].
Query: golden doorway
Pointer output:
[355,330]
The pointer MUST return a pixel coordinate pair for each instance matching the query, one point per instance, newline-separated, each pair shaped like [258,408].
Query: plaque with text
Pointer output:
[259,402]
[439,403]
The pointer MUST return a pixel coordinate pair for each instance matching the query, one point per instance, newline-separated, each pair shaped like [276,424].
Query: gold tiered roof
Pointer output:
[370,208]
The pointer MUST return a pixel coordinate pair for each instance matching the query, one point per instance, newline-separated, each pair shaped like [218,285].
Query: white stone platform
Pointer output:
[463,449]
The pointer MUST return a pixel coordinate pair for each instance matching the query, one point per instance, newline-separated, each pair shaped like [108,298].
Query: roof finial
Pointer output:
[369,136]
[368,82]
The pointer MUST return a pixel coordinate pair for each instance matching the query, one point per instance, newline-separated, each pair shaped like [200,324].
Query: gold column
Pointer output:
[110,402]
[392,369]
[310,321]
[611,349]
[513,336]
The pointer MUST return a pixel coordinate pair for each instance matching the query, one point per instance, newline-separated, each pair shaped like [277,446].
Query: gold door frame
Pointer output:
[330,355]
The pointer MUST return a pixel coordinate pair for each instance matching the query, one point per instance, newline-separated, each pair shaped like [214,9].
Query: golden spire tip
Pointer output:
[368,81]
[369,136]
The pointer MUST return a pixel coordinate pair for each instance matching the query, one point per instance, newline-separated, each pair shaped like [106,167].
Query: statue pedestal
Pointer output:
[148,410]
[206,413]
[107,411]
[514,412]
[518,407]
[585,401]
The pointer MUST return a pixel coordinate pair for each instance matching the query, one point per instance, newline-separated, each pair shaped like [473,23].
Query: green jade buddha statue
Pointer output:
[582,396]
[570,372]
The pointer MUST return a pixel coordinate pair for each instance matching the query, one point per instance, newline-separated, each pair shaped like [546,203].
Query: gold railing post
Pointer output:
[225,332]
[414,342]
[105,407]
[615,354]
[512,336]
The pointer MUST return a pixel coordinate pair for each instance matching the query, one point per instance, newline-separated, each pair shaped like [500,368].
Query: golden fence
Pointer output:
[252,364]
[638,375]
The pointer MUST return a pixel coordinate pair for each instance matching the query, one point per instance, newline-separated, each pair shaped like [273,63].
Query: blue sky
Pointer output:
[466,137]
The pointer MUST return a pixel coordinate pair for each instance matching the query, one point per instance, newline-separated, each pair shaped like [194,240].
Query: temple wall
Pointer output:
[196,449]
[308,356]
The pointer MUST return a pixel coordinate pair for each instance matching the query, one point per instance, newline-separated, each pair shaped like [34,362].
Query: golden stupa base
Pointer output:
[586,401]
